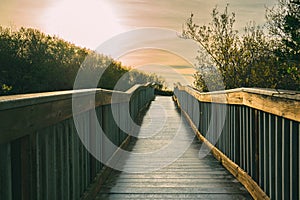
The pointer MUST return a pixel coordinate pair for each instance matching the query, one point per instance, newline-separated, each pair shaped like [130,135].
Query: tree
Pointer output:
[258,65]
[247,59]
[31,61]
[284,25]
[219,42]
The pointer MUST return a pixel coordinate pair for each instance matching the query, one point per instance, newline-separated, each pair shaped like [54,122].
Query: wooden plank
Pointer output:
[171,196]
[25,167]
[5,169]
[281,103]
[33,174]
[188,176]
[59,160]
[66,157]
[16,169]
[102,97]
[101,177]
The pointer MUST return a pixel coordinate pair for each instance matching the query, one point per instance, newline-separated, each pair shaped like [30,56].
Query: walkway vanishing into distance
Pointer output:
[189,177]
[47,148]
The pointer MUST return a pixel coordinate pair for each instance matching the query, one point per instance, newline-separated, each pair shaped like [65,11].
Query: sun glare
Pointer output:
[86,23]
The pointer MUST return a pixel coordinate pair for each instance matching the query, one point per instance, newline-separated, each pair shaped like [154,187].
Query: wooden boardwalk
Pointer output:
[189,177]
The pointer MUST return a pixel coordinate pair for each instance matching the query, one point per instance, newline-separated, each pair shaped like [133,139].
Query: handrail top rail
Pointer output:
[282,103]
[21,100]
[137,86]
[280,93]
[25,114]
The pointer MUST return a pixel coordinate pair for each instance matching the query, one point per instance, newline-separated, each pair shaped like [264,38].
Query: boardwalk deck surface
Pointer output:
[189,177]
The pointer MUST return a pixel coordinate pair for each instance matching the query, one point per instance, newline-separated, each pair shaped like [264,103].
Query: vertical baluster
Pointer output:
[285,160]
[16,169]
[241,133]
[298,157]
[246,121]
[266,153]
[5,169]
[279,132]
[33,169]
[261,151]
[294,157]
[244,167]
[234,146]
[237,135]
[251,149]
[66,156]
[59,132]
[271,156]
[230,121]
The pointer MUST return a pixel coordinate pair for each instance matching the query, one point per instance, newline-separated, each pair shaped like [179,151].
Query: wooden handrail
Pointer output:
[282,103]
[26,113]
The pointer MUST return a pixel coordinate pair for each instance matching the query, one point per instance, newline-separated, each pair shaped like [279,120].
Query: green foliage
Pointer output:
[243,60]
[284,26]
[5,88]
[284,23]
[31,61]
[219,42]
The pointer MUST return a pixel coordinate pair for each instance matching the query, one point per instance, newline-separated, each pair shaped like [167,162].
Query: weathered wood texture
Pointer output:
[186,177]
[282,103]
[41,152]
[264,145]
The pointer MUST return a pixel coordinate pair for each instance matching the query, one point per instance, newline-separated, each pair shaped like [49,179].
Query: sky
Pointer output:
[90,23]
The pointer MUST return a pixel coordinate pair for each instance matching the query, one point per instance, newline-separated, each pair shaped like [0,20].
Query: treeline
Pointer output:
[31,61]
[265,57]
